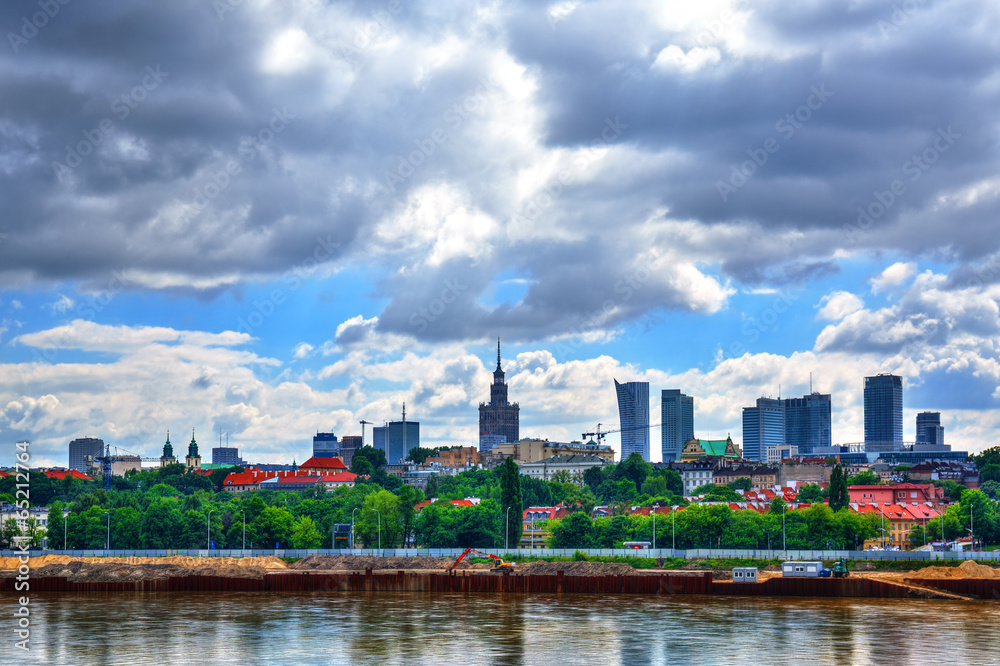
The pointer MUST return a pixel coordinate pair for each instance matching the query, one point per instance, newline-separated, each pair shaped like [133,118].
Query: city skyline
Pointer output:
[284,218]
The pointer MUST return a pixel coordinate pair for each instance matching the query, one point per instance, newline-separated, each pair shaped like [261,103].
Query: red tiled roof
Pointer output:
[3,473]
[251,477]
[339,477]
[63,473]
[323,463]
[459,503]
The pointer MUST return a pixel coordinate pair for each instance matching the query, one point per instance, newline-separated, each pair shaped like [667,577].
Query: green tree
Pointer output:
[126,529]
[535,492]
[593,477]
[379,516]
[633,468]
[839,497]
[865,478]
[654,486]
[362,466]
[419,454]
[409,497]
[810,493]
[274,526]
[432,486]
[160,525]
[990,472]
[990,456]
[675,483]
[305,534]
[57,525]
[742,483]
[573,531]
[375,456]
[9,532]
[479,526]
[511,502]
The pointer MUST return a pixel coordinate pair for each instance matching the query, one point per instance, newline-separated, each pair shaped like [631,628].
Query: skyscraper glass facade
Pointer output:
[808,422]
[763,426]
[390,439]
[929,429]
[633,414]
[677,423]
[883,412]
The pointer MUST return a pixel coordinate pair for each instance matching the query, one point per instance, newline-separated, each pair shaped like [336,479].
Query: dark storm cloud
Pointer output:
[237,163]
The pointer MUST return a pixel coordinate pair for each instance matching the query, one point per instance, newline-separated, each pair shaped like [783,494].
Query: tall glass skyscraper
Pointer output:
[677,423]
[633,413]
[929,428]
[763,426]
[884,413]
[391,439]
[807,422]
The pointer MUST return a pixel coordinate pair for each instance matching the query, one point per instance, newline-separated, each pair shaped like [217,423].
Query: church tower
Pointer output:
[168,457]
[193,460]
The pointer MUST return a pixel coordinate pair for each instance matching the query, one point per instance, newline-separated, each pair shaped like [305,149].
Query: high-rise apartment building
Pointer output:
[929,428]
[633,414]
[82,447]
[500,417]
[348,445]
[883,413]
[677,423]
[808,422]
[763,426]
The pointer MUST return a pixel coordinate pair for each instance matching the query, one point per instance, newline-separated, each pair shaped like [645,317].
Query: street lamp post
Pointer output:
[655,507]
[506,529]
[208,530]
[65,528]
[352,528]
[673,530]
[108,544]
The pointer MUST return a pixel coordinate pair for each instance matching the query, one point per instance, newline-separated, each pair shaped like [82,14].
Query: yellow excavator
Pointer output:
[501,565]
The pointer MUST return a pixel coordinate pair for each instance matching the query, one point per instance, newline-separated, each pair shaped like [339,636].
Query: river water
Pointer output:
[412,628]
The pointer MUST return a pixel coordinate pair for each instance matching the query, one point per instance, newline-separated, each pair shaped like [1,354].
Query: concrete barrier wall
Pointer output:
[698,553]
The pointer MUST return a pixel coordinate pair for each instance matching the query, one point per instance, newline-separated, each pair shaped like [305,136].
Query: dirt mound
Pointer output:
[362,562]
[80,571]
[541,567]
[968,569]
[269,563]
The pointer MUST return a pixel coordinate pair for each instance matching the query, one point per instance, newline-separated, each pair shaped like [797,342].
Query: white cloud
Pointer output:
[674,58]
[893,276]
[302,350]
[838,305]
[63,304]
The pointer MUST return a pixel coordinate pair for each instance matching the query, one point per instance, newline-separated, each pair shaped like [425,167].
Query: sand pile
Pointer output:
[542,567]
[968,569]
[362,562]
[203,565]
[79,571]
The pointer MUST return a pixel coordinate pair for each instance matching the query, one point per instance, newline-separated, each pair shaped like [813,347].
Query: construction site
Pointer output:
[356,573]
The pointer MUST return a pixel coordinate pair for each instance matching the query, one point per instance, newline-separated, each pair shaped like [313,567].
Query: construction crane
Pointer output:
[363,424]
[106,460]
[601,434]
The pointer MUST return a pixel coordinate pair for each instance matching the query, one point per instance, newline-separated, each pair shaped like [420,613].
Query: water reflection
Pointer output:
[498,629]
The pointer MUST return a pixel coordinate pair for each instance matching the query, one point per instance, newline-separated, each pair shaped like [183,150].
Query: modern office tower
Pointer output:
[348,445]
[883,413]
[677,423]
[325,445]
[226,455]
[633,414]
[395,441]
[82,447]
[808,422]
[500,417]
[929,428]
[763,426]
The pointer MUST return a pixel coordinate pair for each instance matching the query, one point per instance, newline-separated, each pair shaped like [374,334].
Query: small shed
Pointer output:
[801,569]
[745,575]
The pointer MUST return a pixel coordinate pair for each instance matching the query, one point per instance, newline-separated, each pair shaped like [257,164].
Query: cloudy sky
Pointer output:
[267,218]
